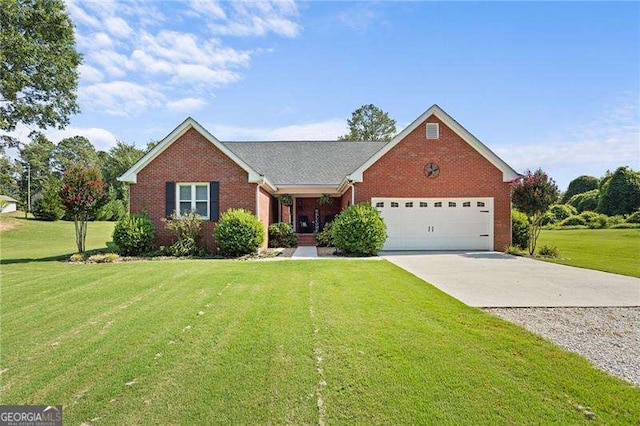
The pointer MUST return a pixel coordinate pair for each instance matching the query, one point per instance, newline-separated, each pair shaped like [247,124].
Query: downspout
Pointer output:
[353,193]
[258,200]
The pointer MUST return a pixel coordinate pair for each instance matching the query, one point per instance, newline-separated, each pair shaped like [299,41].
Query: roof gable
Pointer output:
[131,175]
[508,174]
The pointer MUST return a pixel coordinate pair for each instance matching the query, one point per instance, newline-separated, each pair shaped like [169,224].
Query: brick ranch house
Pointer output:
[436,185]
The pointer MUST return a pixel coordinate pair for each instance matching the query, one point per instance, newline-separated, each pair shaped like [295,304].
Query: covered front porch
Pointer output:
[309,214]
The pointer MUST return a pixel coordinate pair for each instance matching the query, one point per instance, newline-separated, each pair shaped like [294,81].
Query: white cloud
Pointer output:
[121,97]
[186,104]
[102,139]
[89,74]
[118,27]
[202,74]
[208,8]
[258,19]
[121,43]
[322,130]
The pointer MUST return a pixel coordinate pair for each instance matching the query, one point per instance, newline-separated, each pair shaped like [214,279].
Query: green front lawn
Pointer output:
[609,250]
[361,339]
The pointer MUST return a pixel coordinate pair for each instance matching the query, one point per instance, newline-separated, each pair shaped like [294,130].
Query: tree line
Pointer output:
[41,164]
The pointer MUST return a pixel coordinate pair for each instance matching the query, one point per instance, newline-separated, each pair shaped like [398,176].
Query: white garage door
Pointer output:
[437,223]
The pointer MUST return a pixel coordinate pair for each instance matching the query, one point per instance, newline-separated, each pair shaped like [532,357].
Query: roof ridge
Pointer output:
[305,140]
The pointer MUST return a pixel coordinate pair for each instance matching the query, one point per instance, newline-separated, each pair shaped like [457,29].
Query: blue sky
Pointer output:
[551,85]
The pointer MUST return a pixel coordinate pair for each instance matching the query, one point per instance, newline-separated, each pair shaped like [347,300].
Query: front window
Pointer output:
[193,197]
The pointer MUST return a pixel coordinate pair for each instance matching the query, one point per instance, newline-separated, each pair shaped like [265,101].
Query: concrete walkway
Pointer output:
[491,279]
[305,252]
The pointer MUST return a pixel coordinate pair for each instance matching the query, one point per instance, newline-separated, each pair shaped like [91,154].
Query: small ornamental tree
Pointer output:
[82,191]
[533,194]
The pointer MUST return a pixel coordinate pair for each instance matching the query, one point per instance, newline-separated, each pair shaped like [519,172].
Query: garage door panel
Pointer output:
[459,224]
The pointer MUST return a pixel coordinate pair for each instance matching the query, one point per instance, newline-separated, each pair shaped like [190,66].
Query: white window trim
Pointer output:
[437,125]
[193,197]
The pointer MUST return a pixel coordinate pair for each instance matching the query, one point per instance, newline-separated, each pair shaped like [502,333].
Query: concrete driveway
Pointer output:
[491,279]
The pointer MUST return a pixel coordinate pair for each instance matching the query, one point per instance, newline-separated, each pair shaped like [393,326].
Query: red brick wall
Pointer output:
[264,212]
[191,158]
[345,200]
[464,172]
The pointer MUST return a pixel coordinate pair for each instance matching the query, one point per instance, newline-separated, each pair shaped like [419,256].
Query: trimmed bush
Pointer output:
[282,235]
[633,218]
[585,201]
[325,237]
[573,221]
[549,251]
[519,229]
[239,232]
[359,230]
[134,234]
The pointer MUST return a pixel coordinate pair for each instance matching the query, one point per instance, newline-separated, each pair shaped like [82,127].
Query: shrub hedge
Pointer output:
[134,234]
[282,235]
[519,229]
[359,230]
[239,232]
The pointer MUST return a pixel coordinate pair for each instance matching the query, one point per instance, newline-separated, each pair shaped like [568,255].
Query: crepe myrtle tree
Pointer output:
[82,193]
[533,194]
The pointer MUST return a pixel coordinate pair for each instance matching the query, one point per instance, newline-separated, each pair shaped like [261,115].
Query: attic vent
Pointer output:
[433,130]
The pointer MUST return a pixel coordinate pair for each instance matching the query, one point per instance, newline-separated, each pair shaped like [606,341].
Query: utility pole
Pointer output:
[29,187]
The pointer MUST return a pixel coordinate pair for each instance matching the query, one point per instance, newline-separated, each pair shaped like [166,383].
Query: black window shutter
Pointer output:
[169,198]
[214,201]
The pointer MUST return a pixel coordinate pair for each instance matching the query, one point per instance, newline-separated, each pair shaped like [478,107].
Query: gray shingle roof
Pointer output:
[305,162]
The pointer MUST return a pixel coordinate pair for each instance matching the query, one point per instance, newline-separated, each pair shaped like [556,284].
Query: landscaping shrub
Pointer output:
[104,258]
[519,229]
[49,206]
[514,250]
[239,232]
[615,220]
[77,257]
[134,234]
[359,230]
[282,235]
[185,246]
[585,201]
[325,237]
[594,220]
[549,250]
[634,218]
[562,211]
[186,230]
[574,220]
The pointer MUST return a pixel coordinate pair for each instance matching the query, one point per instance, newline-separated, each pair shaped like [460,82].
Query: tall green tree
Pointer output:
[620,194]
[9,173]
[370,123]
[38,65]
[75,150]
[35,165]
[119,159]
[533,194]
[580,185]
